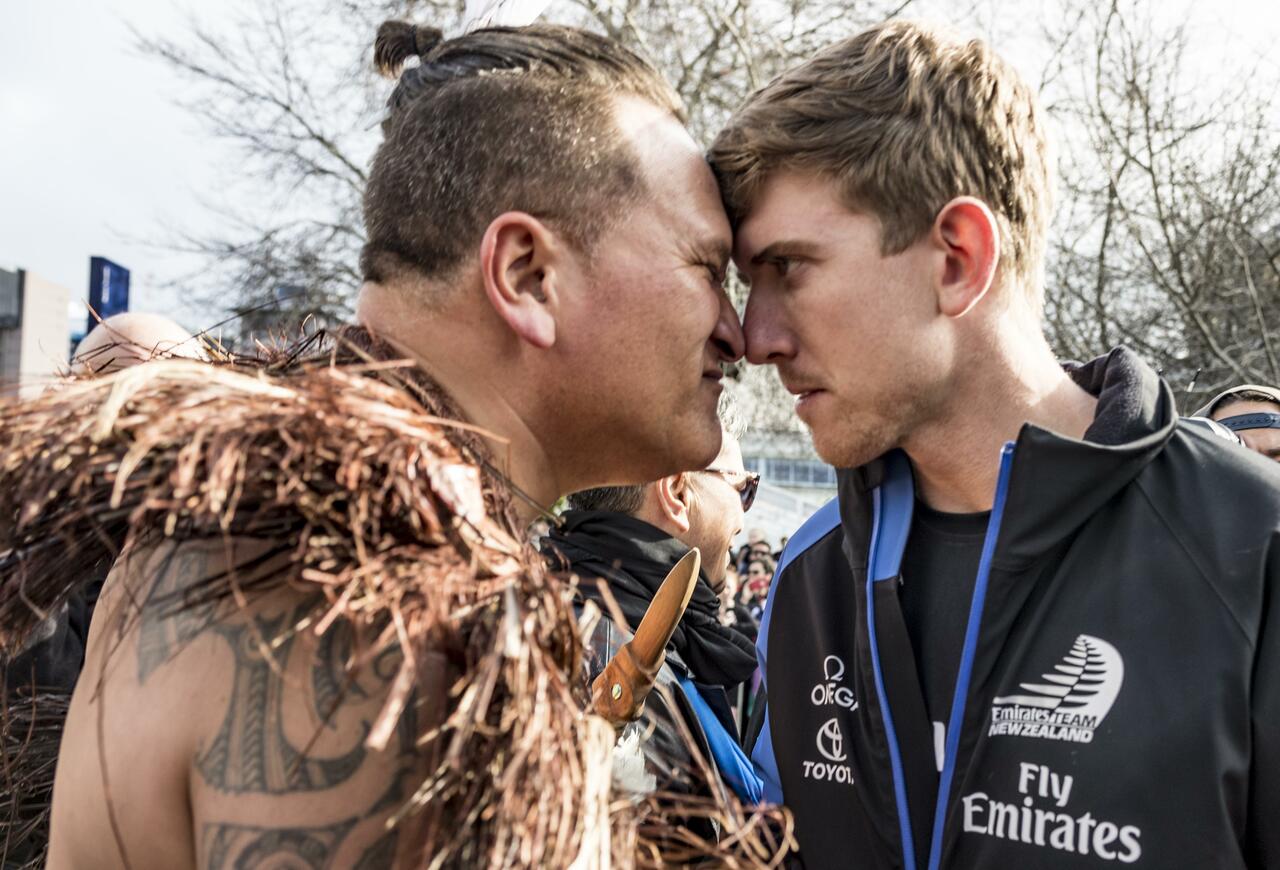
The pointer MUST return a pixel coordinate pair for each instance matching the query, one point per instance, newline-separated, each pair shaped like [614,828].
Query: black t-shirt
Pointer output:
[939,569]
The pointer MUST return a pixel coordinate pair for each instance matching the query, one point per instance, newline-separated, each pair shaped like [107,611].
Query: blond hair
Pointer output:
[904,118]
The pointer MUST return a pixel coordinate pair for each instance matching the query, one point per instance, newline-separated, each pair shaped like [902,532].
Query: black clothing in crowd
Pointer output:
[53,658]
[705,659]
[635,557]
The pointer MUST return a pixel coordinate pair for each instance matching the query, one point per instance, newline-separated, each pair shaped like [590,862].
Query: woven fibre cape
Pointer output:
[357,467]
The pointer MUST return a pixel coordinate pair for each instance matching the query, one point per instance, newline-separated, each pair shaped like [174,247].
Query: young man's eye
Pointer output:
[783,265]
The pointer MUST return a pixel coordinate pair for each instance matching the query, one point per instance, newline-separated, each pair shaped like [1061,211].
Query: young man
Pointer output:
[228,722]
[1040,626]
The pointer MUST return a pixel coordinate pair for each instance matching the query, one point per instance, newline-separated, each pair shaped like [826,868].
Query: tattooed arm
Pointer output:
[217,737]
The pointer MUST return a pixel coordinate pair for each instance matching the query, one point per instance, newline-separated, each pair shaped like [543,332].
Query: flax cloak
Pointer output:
[358,467]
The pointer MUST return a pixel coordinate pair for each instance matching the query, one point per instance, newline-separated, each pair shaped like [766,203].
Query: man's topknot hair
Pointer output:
[498,119]
[397,41]
[550,51]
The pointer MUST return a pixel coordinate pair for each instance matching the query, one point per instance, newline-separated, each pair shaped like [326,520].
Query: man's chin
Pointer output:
[697,440]
[844,445]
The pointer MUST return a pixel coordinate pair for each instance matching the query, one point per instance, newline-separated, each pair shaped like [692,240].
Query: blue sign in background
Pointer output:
[108,289]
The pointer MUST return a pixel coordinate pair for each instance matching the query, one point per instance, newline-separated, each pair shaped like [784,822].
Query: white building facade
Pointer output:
[34,339]
[794,482]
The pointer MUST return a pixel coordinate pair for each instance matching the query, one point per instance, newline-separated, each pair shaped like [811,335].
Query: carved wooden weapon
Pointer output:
[618,694]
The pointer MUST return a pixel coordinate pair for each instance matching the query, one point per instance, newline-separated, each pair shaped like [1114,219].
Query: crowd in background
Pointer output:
[747,582]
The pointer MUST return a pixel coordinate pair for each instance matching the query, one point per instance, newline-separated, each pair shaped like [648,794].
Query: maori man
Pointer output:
[325,619]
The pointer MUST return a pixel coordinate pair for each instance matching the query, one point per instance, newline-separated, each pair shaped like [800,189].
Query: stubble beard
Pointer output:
[853,442]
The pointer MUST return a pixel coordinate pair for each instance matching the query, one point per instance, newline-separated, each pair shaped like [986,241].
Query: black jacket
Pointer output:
[1118,695]
[704,658]
[53,659]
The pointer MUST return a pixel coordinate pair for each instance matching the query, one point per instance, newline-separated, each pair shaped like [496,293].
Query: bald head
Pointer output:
[127,339]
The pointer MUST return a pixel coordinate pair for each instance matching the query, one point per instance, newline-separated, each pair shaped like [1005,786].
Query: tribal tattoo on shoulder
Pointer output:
[168,621]
[252,752]
[232,847]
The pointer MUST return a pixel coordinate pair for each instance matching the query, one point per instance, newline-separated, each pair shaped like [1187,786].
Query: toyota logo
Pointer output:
[831,741]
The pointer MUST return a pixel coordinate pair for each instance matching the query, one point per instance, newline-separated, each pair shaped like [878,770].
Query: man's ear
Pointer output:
[968,236]
[673,501]
[518,263]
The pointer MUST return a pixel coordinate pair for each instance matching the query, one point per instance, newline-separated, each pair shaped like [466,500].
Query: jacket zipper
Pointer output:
[960,695]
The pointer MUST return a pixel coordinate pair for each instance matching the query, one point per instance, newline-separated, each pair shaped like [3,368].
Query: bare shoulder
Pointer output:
[214,725]
[120,768]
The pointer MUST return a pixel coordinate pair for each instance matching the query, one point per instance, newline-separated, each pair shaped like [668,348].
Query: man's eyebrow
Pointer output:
[785,248]
[716,251]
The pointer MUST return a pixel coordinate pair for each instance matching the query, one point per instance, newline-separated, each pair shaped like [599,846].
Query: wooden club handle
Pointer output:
[618,694]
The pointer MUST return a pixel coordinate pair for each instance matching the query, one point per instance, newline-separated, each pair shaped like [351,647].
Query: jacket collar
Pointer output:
[1057,483]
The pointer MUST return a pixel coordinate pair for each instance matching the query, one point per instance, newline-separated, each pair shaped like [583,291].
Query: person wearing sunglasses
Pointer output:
[756,587]
[630,537]
[1252,411]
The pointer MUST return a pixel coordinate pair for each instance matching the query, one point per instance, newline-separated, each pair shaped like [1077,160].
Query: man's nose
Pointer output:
[727,337]
[767,339]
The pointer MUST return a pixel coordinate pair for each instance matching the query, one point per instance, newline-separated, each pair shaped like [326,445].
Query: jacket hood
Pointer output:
[1057,483]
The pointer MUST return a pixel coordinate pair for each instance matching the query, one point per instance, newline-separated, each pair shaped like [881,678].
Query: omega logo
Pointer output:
[828,691]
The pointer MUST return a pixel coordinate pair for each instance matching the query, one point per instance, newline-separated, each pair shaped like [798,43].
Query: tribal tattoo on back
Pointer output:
[252,752]
[249,847]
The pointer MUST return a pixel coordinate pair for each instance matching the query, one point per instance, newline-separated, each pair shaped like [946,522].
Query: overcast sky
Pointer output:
[96,158]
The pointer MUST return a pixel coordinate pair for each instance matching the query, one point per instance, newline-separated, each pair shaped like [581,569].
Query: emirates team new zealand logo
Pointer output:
[1071,701]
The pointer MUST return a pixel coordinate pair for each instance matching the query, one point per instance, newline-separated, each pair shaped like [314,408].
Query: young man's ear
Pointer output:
[673,501]
[968,236]
[518,260]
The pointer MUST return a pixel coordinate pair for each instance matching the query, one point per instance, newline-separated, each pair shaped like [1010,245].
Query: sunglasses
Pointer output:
[745,482]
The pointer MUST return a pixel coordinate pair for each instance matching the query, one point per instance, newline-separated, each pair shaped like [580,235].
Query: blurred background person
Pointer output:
[729,589]
[55,656]
[1252,411]
[756,548]
[755,586]
[631,537]
[732,611]
[125,340]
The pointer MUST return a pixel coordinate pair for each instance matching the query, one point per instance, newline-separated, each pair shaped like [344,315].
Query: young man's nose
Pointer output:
[767,341]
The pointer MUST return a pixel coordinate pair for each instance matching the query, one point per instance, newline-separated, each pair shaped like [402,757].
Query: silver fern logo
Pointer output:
[1070,702]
